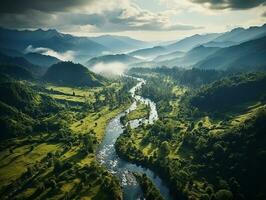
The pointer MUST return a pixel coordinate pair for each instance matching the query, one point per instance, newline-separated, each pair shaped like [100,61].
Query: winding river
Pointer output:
[106,153]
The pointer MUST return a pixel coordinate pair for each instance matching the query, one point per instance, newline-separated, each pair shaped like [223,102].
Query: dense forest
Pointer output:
[208,143]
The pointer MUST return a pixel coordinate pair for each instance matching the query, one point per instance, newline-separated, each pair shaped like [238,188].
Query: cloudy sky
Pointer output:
[154,20]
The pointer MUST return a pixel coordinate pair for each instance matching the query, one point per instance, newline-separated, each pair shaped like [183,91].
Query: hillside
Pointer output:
[41,60]
[239,35]
[230,92]
[16,72]
[21,108]
[119,43]
[247,54]
[191,57]
[169,56]
[70,74]
[120,58]
[189,43]
[22,62]
[51,38]
[149,53]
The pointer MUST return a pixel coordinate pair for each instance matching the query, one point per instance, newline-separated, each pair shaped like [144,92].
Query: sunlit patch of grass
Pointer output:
[96,121]
[178,91]
[16,163]
[142,111]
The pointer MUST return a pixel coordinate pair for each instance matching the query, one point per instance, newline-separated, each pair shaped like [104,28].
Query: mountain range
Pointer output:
[207,51]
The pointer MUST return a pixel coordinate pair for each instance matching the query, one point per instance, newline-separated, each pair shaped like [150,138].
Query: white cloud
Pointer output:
[114,68]
[65,56]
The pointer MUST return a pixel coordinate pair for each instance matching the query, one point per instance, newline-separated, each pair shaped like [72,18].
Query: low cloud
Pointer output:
[65,56]
[114,68]
[230,4]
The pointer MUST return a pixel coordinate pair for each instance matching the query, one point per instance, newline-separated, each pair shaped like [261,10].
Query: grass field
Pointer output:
[21,156]
[142,111]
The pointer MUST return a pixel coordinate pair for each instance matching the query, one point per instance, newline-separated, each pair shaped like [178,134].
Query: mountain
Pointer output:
[149,53]
[220,44]
[249,53]
[70,74]
[119,43]
[15,72]
[229,92]
[21,108]
[41,60]
[237,36]
[34,58]
[120,58]
[11,52]
[22,62]
[169,56]
[51,39]
[191,57]
[242,35]
[189,43]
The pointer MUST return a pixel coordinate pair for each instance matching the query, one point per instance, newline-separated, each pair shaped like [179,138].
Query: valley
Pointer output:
[110,117]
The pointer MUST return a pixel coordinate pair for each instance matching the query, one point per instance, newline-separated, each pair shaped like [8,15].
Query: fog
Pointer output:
[115,68]
[65,56]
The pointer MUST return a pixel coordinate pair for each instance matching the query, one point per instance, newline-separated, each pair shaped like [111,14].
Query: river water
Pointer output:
[106,153]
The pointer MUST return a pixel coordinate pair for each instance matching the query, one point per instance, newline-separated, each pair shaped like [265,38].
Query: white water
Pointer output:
[106,153]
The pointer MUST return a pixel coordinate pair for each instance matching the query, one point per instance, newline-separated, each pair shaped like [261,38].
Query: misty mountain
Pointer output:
[149,53]
[237,36]
[119,43]
[51,39]
[42,60]
[220,44]
[169,56]
[189,43]
[251,53]
[191,57]
[120,58]
[21,62]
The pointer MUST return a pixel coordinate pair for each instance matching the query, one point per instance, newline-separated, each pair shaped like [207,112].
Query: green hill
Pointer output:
[229,92]
[21,108]
[15,72]
[251,53]
[70,74]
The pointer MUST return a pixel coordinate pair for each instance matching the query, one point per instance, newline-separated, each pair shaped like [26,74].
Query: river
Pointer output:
[107,155]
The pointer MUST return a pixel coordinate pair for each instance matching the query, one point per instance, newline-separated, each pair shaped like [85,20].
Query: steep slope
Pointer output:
[191,57]
[41,60]
[70,74]
[119,43]
[230,92]
[20,40]
[15,72]
[20,109]
[169,56]
[22,62]
[149,53]
[188,43]
[239,35]
[249,53]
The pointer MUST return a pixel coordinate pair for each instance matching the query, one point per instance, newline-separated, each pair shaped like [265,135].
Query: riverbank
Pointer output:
[108,156]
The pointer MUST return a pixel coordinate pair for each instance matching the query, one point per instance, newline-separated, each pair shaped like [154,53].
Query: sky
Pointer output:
[149,20]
